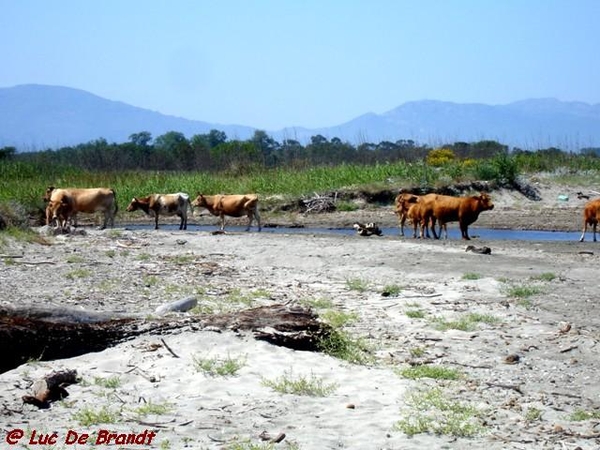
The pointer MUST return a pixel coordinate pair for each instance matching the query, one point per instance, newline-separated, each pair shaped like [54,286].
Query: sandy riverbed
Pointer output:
[536,300]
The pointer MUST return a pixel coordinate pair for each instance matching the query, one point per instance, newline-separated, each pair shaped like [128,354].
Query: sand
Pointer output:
[526,367]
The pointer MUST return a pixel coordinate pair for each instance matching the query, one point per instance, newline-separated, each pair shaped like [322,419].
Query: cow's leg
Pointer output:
[582,238]
[252,213]
[402,221]
[156,220]
[433,232]
[594,229]
[106,219]
[183,224]
[465,232]
[222,222]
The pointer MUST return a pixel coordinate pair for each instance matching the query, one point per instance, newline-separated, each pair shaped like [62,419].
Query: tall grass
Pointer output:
[26,183]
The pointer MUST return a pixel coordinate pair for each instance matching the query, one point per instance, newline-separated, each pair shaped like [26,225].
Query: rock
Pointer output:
[185,304]
[480,250]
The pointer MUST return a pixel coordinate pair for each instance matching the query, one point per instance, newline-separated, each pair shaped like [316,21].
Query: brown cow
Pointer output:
[415,215]
[445,208]
[402,204]
[165,204]
[230,205]
[65,204]
[591,216]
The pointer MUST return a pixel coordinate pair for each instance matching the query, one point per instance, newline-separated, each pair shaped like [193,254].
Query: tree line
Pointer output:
[214,152]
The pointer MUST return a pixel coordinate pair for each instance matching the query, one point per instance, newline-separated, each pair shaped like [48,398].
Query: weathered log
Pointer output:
[50,388]
[47,334]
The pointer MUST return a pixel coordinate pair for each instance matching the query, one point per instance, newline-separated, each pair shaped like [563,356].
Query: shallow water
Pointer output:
[453,232]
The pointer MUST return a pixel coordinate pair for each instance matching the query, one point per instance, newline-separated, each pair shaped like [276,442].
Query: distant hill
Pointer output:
[36,117]
[527,124]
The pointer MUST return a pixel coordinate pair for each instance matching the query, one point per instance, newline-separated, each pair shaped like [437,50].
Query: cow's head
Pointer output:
[134,205]
[405,200]
[48,194]
[485,202]
[59,210]
[199,201]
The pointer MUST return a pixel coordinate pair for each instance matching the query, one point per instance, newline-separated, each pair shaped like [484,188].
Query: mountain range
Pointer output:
[38,117]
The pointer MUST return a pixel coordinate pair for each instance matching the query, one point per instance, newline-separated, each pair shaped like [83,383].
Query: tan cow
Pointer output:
[415,215]
[591,216]
[402,204]
[165,204]
[230,205]
[65,204]
[445,208]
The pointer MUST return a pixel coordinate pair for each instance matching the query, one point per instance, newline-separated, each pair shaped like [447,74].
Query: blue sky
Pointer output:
[313,63]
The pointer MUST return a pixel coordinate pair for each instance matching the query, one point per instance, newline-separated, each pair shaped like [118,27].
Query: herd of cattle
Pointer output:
[63,205]
[424,212]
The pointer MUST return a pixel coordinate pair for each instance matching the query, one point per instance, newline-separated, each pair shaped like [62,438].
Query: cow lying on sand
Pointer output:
[445,208]
[63,205]
[165,204]
[591,216]
[230,205]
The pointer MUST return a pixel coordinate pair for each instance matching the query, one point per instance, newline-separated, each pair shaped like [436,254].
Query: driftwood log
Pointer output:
[50,388]
[56,333]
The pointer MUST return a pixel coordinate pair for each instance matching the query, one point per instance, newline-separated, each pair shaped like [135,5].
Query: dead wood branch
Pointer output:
[51,388]
[506,386]
[48,334]
[320,204]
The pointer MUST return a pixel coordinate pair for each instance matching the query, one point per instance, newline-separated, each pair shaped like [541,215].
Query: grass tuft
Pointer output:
[431,411]
[88,416]
[311,386]
[429,371]
[222,367]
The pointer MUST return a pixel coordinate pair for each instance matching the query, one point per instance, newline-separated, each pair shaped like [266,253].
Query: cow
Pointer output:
[591,216]
[165,204]
[230,205]
[415,215]
[402,204]
[445,208]
[63,205]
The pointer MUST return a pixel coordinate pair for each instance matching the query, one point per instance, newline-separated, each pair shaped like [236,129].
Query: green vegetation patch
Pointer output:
[431,411]
[546,276]
[581,414]
[392,290]
[311,385]
[151,408]
[429,371]
[338,319]
[89,416]
[467,322]
[110,382]
[415,313]
[471,276]
[523,291]
[221,367]
[357,284]
[341,345]
[78,273]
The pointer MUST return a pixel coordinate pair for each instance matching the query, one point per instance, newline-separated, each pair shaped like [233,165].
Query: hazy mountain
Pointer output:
[36,117]
[528,124]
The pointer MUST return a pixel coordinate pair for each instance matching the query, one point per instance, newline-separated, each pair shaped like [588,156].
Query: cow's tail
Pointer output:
[116,202]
